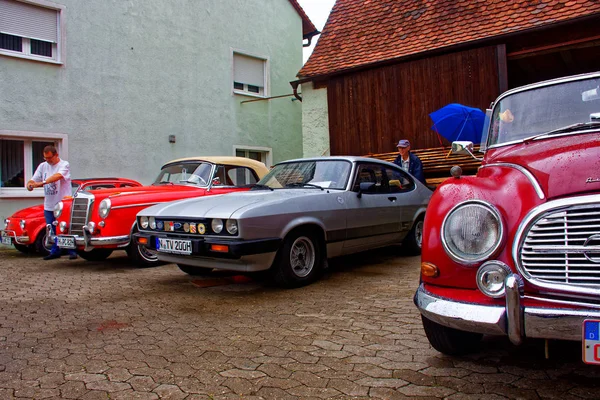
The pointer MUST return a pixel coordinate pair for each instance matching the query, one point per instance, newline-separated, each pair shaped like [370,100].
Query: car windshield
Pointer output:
[327,174]
[192,173]
[564,107]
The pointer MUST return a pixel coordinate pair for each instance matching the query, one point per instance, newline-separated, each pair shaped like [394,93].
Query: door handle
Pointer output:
[392,199]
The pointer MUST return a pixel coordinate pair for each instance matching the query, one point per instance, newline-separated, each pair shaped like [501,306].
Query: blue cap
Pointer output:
[403,143]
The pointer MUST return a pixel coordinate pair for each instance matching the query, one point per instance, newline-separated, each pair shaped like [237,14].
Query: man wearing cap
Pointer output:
[408,161]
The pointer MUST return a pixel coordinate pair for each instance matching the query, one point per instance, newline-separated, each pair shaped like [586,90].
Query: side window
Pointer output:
[241,176]
[373,173]
[127,185]
[399,181]
[100,186]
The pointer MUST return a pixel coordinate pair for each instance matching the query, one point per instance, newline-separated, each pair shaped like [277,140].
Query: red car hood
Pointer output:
[30,212]
[562,165]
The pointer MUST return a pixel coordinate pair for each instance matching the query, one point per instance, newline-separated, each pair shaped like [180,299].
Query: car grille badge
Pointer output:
[193,227]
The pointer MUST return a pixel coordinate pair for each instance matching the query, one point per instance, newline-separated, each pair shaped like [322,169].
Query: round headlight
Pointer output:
[217,225]
[144,222]
[490,278]
[62,226]
[152,222]
[104,208]
[472,232]
[58,209]
[22,224]
[231,226]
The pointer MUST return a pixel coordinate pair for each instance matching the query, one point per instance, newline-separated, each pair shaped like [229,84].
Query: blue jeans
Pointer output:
[49,217]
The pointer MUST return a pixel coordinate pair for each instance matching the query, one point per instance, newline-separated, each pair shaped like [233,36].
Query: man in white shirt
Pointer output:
[54,176]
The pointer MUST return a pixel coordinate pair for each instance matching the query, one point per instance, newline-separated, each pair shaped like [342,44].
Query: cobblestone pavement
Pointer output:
[82,330]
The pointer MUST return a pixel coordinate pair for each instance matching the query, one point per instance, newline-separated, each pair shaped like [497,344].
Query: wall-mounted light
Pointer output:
[171,138]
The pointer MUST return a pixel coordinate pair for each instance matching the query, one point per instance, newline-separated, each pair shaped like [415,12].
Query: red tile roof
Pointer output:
[308,28]
[362,32]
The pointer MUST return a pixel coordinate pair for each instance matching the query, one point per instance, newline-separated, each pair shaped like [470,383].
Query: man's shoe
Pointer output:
[73,256]
[51,256]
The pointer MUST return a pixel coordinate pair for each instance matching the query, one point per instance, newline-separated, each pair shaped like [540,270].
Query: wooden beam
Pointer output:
[502,68]
[591,41]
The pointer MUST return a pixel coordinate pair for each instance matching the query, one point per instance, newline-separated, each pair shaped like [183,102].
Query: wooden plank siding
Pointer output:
[369,111]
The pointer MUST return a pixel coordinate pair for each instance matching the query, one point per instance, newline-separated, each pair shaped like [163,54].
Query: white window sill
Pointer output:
[18,193]
[27,57]
[249,94]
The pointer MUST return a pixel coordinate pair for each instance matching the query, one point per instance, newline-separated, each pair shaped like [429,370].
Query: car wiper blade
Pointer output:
[259,186]
[301,184]
[565,129]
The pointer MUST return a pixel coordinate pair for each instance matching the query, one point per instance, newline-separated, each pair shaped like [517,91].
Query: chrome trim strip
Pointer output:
[137,205]
[120,241]
[514,313]
[529,175]
[24,240]
[530,219]
[564,302]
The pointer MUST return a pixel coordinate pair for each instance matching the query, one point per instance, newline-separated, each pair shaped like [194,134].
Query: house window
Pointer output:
[20,155]
[31,29]
[249,75]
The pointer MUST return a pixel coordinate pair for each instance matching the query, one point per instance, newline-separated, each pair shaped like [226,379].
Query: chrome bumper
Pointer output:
[512,320]
[24,240]
[88,242]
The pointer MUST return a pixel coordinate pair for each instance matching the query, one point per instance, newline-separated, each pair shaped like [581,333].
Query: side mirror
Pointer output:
[366,187]
[216,181]
[464,148]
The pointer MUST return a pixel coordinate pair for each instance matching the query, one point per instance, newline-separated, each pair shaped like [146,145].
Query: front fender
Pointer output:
[298,222]
[508,189]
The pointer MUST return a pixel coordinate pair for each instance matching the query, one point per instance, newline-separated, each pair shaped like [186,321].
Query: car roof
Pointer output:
[337,158]
[229,160]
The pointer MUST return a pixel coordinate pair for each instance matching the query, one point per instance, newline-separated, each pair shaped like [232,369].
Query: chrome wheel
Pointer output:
[302,256]
[419,233]
[146,255]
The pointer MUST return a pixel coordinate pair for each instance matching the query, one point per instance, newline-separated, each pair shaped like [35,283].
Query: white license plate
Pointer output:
[591,341]
[6,239]
[174,246]
[65,242]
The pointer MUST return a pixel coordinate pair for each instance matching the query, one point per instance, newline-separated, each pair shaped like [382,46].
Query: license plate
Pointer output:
[6,239]
[174,246]
[65,242]
[591,341]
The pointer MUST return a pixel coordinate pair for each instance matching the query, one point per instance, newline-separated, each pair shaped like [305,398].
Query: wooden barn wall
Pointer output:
[369,111]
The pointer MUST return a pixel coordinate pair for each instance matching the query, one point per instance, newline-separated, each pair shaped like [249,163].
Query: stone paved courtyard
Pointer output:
[81,330]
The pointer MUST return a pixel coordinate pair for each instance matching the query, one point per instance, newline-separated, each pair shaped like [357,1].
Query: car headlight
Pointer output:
[490,278]
[144,222]
[231,226]
[104,208]
[62,226]
[6,221]
[152,223]
[22,224]
[217,225]
[58,209]
[472,232]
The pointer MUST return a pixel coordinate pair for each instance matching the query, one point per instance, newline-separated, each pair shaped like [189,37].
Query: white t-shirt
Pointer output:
[55,191]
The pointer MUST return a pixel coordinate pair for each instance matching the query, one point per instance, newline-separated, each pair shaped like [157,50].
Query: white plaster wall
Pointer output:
[315,121]
[138,71]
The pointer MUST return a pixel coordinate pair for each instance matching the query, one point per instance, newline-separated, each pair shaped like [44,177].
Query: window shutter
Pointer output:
[248,70]
[29,21]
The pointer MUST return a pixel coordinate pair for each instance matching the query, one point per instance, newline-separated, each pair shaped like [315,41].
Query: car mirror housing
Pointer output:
[366,187]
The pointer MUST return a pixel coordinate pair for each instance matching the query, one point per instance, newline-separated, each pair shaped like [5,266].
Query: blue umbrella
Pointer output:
[458,122]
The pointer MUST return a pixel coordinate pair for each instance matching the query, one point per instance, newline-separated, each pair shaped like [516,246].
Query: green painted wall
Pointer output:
[138,71]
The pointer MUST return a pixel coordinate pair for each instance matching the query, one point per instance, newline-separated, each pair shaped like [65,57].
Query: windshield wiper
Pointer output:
[565,129]
[261,186]
[301,184]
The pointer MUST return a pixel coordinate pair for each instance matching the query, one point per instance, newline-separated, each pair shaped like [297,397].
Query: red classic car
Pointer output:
[26,229]
[515,250]
[98,222]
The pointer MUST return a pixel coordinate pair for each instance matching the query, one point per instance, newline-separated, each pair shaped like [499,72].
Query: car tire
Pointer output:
[39,246]
[141,257]
[95,254]
[195,271]
[299,261]
[22,248]
[414,240]
[450,341]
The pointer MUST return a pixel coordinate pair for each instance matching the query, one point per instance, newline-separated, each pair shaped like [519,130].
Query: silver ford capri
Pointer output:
[300,214]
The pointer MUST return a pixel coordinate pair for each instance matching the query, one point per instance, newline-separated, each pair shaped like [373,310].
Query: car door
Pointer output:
[373,217]
[403,186]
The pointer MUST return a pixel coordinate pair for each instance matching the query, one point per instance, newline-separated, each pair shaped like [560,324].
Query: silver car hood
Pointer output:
[226,205]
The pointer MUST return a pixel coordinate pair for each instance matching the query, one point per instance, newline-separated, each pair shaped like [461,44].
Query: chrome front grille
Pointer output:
[561,246]
[80,211]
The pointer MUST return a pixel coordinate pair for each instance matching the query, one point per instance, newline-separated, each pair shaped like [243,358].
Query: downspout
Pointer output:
[295,87]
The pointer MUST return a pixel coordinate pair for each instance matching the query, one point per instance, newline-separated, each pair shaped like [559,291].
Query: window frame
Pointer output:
[266,75]
[59,49]
[266,153]
[62,146]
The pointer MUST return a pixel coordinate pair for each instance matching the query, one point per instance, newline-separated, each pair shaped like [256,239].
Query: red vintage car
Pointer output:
[26,229]
[98,222]
[515,250]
